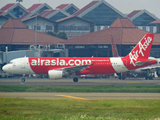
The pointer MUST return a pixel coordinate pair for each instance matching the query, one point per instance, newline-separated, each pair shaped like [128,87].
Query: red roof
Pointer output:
[43,12]
[48,13]
[6,7]
[155,22]
[38,18]
[1,13]
[71,16]
[33,7]
[86,7]
[14,32]
[62,6]
[122,23]
[125,36]
[25,16]
[133,13]
[13,24]
[122,35]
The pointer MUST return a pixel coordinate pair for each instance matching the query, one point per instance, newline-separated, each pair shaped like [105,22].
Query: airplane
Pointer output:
[58,67]
[146,71]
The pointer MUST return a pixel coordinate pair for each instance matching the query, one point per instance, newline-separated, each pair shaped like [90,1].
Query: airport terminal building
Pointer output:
[89,29]
[98,44]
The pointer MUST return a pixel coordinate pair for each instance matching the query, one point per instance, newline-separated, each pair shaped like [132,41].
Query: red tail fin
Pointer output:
[142,49]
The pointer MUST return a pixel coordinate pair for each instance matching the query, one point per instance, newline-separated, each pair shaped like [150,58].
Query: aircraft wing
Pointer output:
[150,68]
[74,69]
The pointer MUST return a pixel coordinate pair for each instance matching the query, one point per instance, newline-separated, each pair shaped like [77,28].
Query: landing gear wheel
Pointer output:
[23,79]
[75,79]
[150,77]
[146,77]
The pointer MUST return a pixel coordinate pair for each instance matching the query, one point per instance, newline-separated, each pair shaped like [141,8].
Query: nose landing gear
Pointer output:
[23,79]
[75,79]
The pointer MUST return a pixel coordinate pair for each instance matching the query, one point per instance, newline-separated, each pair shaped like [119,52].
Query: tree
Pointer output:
[59,35]
[52,33]
[62,35]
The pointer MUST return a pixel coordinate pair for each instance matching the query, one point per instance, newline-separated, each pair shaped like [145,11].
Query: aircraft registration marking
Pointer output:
[72,97]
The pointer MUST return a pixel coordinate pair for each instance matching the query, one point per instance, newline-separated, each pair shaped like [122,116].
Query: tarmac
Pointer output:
[82,82]
[82,96]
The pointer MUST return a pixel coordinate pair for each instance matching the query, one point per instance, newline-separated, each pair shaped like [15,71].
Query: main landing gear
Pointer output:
[23,79]
[75,79]
[149,75]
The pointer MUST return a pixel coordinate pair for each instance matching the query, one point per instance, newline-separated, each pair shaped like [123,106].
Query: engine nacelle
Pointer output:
[55,74]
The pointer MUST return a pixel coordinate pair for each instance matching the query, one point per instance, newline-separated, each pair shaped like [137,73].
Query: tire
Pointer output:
[75,79]
[23,79]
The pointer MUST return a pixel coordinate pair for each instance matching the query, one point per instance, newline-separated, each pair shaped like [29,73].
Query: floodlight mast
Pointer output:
[36,31]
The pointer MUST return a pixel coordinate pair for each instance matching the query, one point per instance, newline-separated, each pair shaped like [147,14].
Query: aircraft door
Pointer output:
[23,66]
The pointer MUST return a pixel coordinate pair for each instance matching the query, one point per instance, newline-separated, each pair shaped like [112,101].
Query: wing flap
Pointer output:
[73,69]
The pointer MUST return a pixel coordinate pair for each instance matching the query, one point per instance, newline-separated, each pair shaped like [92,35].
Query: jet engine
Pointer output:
[55,74]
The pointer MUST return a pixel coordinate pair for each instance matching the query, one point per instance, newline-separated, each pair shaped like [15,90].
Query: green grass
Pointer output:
[105,88]
[70,109]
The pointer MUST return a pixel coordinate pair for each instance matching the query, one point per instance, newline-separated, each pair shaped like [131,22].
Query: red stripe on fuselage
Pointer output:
[96,65]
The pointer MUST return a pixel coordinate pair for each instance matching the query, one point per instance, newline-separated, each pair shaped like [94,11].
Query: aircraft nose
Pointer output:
[5,68]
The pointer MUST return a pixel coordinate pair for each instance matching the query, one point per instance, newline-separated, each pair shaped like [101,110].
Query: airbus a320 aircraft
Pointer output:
[59,67]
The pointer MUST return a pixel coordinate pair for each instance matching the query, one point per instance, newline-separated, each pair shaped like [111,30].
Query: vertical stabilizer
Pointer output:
[142,50]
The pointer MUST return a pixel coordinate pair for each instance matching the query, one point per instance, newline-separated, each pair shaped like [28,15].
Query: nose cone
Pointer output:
[7,68]
[4,68]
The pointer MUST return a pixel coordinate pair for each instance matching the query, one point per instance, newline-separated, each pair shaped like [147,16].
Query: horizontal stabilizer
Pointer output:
[140,63]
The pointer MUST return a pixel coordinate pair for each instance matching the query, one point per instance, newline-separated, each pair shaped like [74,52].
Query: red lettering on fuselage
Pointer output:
[59,62]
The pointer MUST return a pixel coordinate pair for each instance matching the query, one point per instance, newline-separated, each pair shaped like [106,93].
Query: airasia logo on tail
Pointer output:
[139,50]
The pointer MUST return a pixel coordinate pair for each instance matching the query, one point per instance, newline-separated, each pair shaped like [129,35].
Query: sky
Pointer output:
[124,6]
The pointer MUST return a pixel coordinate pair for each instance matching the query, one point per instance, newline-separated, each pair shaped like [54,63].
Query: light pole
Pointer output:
[36,32]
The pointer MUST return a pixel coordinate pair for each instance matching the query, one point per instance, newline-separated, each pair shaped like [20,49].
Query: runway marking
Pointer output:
[133,82]
[72,97]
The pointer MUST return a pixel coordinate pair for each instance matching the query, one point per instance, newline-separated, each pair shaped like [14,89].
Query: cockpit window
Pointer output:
[11,62]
